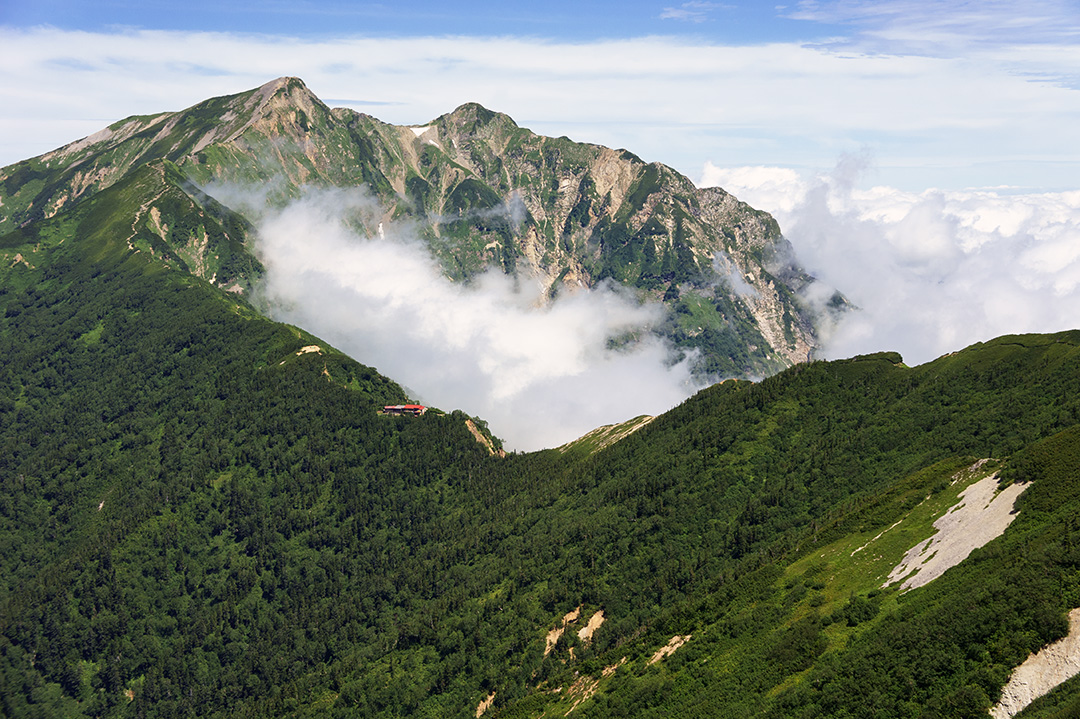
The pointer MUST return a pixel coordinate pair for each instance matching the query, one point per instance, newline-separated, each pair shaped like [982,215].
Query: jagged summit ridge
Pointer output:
[484,192]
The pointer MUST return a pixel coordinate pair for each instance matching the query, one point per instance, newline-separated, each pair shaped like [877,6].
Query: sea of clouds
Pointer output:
[931,272]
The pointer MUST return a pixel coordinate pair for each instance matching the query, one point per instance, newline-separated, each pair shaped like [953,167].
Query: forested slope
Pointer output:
[199,517]
[163,446]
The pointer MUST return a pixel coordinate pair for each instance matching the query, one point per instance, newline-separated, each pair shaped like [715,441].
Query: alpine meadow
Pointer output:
[210,506]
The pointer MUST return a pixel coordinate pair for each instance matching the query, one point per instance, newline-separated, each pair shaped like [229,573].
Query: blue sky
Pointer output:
[728,22]
[940,93]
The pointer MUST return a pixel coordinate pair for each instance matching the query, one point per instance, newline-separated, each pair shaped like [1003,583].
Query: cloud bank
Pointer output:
[949,94]
[1000,109]
[541,375]
[945,27]
[932,271]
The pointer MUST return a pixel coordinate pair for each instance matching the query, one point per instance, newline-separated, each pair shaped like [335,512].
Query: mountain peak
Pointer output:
[284,87]
[486,192]
[285,92]
[283,81]
[472,117]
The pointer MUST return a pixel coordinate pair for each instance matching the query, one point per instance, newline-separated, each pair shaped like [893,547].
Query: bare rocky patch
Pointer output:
[586,633]
[607,434]
[670,648]
[610,669]
[1041,672]
[485,704]
[581,690]
[482,439]
[982,514]
[554,635]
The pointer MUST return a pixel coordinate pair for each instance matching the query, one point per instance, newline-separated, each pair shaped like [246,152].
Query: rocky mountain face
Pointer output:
[480,189]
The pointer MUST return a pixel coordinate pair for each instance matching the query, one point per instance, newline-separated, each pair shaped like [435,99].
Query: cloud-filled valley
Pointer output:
[649,230]
[946,99]
[541,372]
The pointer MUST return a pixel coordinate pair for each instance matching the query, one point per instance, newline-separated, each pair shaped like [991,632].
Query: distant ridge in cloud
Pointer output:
[932,271]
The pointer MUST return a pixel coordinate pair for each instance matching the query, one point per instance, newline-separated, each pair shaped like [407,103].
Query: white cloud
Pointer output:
[780,189]
[696,12]
[540,373]
[941,27]
[677,101]
[932,271]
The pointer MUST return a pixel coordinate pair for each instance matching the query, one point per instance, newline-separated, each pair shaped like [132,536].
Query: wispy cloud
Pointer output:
[696,12]
[946,26]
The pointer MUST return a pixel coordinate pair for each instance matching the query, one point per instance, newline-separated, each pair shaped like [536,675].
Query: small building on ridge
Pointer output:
[410,410]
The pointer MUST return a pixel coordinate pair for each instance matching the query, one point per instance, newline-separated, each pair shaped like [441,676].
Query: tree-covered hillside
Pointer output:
[144,414]
[203,513]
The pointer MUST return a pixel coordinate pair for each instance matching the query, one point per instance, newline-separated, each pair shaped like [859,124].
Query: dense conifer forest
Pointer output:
[200,519]
[203,513]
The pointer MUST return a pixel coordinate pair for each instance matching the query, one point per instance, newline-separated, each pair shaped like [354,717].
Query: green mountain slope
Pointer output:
[152,209]
[202,512]
[199,517]
[483,192]
[129,390]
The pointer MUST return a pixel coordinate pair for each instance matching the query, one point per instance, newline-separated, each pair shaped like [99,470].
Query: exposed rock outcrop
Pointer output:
[1041,672]
[484,192]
